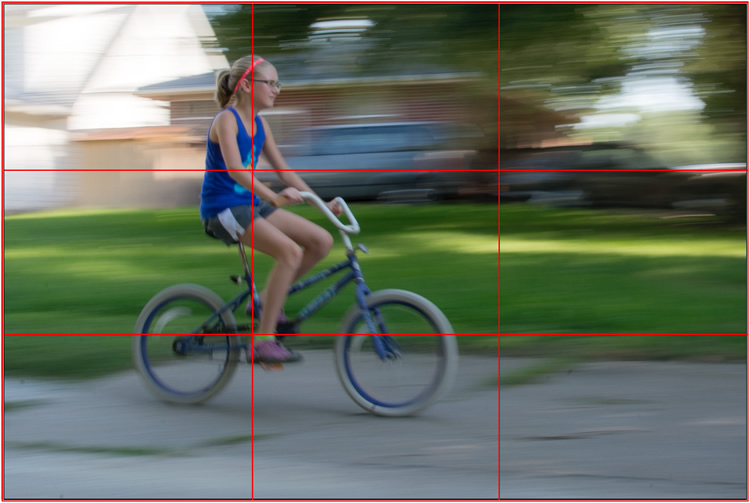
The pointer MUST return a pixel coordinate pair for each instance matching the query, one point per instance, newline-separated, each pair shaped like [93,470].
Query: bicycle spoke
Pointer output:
[177,366]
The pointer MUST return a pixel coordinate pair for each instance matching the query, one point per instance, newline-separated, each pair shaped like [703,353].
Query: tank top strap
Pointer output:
[240,125]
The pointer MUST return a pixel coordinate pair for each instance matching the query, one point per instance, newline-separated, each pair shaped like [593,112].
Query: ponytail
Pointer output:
[223,92]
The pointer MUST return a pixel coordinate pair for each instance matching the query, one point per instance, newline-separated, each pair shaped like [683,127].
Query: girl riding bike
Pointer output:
[235,206]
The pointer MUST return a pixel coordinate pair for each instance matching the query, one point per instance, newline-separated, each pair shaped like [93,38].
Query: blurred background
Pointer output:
[625,87]
[623,149]
[107,108]
[130,87]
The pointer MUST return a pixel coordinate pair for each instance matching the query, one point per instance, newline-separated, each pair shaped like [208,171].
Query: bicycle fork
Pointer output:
[385,346]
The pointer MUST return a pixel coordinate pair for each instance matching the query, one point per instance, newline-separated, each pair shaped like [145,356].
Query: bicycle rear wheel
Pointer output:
[407,365]
[184,351]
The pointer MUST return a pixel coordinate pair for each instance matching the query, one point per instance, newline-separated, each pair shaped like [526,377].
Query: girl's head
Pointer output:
[236,83]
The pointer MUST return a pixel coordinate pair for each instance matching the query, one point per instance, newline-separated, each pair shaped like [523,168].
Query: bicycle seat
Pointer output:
[211,234]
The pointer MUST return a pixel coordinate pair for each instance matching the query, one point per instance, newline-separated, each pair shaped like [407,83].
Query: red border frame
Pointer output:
[498,335]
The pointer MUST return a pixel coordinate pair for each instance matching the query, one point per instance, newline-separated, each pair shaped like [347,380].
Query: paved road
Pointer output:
[625,430]
[109,438]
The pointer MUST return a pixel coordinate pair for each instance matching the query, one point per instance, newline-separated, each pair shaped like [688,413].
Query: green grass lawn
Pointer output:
[92,272]
[589,272]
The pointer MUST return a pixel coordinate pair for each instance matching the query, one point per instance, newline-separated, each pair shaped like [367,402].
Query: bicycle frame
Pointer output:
[383,348]
[354,275]
[197,326]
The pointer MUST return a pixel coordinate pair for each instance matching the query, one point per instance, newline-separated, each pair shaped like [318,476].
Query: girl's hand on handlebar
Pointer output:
[335,207]
[289,195]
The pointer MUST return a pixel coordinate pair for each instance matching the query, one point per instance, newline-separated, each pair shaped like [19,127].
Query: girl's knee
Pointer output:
[320,244]
[325,243]
[290,256]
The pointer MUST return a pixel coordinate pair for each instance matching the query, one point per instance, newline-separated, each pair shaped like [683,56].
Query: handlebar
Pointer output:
[352,228]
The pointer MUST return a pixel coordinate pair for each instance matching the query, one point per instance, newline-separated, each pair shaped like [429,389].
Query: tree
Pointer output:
[569,56]
[719,69]
[459,37]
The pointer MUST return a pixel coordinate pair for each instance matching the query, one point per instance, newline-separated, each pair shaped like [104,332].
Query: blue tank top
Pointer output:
[220,191]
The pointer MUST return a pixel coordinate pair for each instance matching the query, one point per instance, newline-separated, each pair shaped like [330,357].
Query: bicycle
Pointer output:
[397,354]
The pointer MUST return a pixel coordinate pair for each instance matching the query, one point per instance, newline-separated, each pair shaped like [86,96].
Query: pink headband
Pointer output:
[249,69]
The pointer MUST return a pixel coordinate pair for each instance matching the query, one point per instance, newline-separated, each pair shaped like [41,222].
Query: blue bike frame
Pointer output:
[354,275]
[384,345]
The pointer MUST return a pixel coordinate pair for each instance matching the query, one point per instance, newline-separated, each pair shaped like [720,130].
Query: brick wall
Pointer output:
[302,107]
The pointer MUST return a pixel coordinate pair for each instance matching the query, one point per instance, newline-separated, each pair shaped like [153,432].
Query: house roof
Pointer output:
[87,61]
[206,83]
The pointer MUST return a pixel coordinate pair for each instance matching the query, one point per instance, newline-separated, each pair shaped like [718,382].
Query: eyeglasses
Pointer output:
[273,83]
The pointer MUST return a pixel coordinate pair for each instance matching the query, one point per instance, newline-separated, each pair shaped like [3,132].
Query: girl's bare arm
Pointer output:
[226,132]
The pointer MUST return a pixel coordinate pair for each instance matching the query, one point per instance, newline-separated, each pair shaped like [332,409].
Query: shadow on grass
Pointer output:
[593,272]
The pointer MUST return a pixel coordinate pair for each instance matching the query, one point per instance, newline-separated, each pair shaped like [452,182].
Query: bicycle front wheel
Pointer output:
[183,350]
[407,364]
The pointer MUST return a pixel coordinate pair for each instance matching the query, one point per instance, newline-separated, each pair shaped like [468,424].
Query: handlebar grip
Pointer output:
[352,228]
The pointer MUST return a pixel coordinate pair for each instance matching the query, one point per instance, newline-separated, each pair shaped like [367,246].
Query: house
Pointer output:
[71,71]
[108,105]
[310,103]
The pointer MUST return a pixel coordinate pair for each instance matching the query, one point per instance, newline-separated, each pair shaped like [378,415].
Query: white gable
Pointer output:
[157,43]
[62,53]
[93,57]
[76,66]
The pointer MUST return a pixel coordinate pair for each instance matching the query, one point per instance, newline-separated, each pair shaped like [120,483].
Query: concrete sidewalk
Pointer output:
[625,430]
[109,437]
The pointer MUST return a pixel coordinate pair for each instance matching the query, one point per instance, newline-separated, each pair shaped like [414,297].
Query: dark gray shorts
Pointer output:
[231,223]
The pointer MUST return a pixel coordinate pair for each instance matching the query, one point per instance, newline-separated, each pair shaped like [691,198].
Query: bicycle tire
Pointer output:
[162,304]
[438,374]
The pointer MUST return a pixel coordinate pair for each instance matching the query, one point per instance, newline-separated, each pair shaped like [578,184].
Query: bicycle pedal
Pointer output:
[287,328]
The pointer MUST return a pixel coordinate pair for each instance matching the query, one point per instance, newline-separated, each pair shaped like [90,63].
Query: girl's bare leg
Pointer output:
[268,239]
[315,241]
